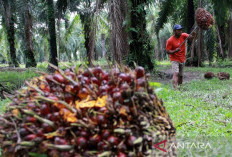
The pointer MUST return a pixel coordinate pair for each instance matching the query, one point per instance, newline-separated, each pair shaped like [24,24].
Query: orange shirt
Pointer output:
[173,43]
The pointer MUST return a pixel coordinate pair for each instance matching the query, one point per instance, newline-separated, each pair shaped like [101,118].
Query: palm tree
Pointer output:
[140,47]
[9,24]
[119,35]
[52,34]
[29,54]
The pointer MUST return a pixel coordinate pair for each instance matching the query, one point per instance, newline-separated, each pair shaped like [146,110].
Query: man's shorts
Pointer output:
[177,67]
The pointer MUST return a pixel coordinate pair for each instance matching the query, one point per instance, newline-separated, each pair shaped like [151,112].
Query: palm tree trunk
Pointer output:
[230,36]
[59,39]
[199,43]
[159,48]
[52,34]
[103,45]
[140,46]
[9,22]
[190,16]
[119,37]
[30,59]
[220,42]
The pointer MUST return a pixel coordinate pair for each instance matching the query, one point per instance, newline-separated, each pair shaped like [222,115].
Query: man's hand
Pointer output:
[173,51]
[176,50]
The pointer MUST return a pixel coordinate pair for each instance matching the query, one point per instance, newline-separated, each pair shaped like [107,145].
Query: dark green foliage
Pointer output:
[166,9]
[140,45]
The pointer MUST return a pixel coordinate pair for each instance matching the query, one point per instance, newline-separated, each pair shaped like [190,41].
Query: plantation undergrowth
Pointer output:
[201,112]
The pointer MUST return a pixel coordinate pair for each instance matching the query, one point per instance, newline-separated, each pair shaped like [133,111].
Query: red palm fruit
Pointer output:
[115,72]
[60,141]
[141,82]
[105,134]
[85,80]
[103,110]
[59,78]
[122,77]
[66,154]
[83,93]
[102,146]
[31,105]
[80,77]
[140,72]
[95,81]
[83,133]
[124,86]
[81,142]
[40,133]
[70,89]
[121,154]
[87,73]
[112,140]
[47,128]
[116,96]
[97,71]
[55,116]
[68,97]
[30,119]
[101,119]
[128,78]
[30,137]
[44,109]
[130,141]
[44,86]
[103,89]
[49,78]
[105,76]
[104,82]
[54,108]
[54,153]
[23,132]
[114,90]
[94,140]
[14,137]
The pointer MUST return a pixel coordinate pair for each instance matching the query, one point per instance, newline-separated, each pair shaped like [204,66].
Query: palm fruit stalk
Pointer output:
[87,112]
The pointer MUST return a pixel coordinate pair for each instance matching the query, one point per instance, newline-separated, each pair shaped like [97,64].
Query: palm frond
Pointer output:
[166,9]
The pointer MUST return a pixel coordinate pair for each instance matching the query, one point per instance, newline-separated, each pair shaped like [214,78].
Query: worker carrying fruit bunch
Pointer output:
[176,51]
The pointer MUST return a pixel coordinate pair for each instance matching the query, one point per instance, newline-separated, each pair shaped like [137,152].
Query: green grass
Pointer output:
[13,80]
[202,109]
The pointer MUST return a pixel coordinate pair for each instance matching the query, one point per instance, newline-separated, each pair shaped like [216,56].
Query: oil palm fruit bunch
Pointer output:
[203,18]
[209,75]
[89,112]
[223,76]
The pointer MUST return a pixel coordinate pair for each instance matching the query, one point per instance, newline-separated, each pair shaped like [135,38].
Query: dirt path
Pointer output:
[165,76]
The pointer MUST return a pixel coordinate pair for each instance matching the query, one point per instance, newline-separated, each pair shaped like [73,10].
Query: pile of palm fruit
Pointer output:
[204,19]
[86,112]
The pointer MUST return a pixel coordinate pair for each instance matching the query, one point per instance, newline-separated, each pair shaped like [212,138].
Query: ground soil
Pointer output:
[165,76]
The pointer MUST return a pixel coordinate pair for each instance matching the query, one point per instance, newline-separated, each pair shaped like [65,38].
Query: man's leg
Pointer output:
[175,79]
[181,74]
[175,70]
[180,80]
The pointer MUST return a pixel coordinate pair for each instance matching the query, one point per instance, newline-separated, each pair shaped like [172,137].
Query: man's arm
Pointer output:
[192,35]
[172,51]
